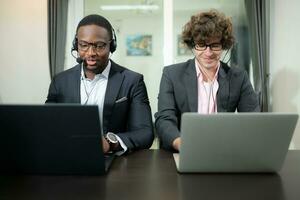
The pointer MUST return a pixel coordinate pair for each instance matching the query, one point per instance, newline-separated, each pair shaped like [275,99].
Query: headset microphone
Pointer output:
[79,60]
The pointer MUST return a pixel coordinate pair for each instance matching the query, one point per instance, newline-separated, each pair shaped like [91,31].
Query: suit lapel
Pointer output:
[191,87]
[76,80]
[115,80]
[223,91]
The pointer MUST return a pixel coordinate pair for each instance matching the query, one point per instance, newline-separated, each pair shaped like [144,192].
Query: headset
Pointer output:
[112,45]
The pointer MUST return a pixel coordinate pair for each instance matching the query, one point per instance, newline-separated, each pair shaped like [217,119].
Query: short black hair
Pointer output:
[98,20]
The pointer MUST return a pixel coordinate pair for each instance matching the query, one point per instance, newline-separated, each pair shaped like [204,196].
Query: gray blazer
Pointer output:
[130,119]
[178,94]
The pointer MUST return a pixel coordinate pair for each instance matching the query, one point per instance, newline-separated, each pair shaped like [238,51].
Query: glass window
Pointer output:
[141,37]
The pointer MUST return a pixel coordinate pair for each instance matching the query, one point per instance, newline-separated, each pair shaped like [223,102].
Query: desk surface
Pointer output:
[151,174]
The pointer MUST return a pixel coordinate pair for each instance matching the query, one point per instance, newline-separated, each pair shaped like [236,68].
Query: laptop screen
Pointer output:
[235,142]
[51,139]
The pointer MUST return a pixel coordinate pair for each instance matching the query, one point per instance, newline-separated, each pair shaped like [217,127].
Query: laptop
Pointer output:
[234,142]
[57,139]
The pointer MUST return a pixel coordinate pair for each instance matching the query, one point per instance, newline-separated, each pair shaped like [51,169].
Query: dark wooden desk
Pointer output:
[151,174]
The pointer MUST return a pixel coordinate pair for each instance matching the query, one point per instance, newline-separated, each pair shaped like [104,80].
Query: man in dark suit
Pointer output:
[204,84]
[121,94]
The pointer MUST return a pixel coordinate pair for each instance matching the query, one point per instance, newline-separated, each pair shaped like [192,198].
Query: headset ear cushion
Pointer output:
[75,44]
[113,43]
[113,46]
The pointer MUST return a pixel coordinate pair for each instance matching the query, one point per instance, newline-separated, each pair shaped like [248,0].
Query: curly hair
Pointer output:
[206,25]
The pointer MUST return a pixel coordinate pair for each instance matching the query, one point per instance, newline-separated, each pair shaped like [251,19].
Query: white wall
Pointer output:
[24,76]
[284,62]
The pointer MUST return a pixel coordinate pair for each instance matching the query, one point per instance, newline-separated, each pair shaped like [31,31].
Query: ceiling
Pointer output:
[234,8]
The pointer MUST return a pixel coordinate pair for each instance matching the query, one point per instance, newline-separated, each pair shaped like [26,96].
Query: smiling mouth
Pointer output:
[209,60]
[91,62]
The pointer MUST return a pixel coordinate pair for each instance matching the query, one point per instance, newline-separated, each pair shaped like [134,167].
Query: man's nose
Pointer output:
[208,51]
[91,50]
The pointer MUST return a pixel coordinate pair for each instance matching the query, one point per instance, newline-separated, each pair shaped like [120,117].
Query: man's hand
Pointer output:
[105,145]
[176,143]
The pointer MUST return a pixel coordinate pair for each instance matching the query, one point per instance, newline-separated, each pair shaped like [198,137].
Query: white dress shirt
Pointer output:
[92,92]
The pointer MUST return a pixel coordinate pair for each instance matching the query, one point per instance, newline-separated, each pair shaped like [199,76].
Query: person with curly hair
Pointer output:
[204,84]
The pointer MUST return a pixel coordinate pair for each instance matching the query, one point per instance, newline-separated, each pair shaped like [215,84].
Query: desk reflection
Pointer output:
[52,187]
[231,186]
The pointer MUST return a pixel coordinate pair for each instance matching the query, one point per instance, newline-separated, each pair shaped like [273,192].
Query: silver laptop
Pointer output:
[234,142]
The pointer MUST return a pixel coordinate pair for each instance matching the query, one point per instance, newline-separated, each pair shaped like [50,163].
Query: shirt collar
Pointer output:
[105,72]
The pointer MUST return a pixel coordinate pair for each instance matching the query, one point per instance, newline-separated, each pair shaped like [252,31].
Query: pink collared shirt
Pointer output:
[207,92]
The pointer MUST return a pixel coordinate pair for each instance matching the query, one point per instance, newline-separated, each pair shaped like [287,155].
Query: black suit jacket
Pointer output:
[131,119]
[179,93]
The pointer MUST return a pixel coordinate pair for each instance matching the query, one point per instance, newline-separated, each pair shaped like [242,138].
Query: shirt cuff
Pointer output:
[124,147]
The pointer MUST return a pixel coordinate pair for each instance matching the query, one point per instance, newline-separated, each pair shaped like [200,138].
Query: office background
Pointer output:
[25,75]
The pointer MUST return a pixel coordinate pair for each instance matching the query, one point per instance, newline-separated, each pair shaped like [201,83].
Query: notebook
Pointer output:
[57,139]
[234,142]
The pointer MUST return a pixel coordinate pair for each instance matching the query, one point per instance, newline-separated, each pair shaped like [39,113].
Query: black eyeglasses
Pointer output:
[99,46]
[213,46]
